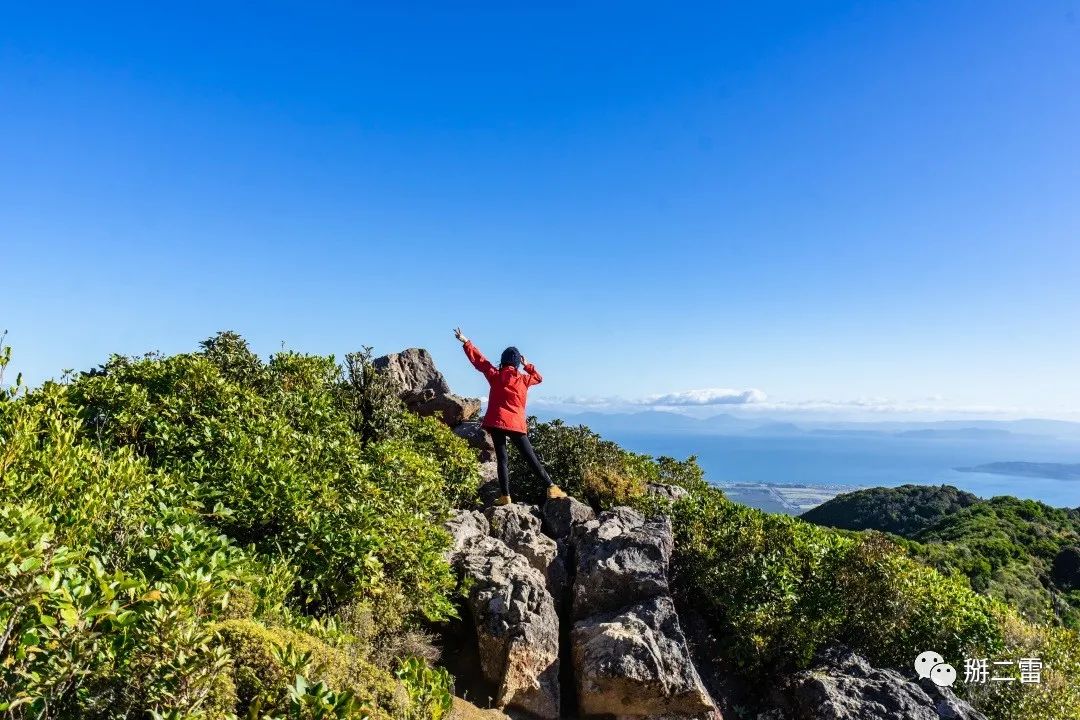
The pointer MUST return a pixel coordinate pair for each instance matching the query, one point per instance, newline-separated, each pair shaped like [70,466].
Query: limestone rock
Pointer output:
[489,489]
[465,710]
[451,409]
[672,493]
[842,685]
[562,514]
[423,388]
[635,664]
[518,526]
[413,370]
[517,628]
[478,438]
[621,559]
[463,526]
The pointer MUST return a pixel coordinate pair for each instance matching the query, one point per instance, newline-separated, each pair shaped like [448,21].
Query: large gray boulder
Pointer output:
[842,685]
[517,629]
[671,493]
[635,664]
[478,439]
[489,490]
[463,526]
[518,526]
[423,388]
[413,369]
[621,559]
[562,514]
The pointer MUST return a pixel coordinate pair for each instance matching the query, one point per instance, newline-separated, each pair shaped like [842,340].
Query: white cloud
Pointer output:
[705,396]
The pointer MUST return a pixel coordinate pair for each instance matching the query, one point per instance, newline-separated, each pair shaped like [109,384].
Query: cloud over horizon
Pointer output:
[705,396]
[757,402]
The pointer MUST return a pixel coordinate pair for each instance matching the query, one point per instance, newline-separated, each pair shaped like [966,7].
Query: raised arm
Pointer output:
[475,356]
[532,377]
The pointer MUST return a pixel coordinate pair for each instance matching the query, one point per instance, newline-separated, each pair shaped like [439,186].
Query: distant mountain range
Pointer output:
[661,422]
[1054,471]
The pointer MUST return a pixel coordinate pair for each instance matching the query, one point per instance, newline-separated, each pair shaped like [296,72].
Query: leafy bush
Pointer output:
[429,689]
[781,589]
[266,662]
[1056,696]
[778,589]
[276,460]
[595,470]
[1006,547]
[155,509]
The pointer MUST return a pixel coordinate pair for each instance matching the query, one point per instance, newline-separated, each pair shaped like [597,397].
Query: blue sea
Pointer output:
[870,460]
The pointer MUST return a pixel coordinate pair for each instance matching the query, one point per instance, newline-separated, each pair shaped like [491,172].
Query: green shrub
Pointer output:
[429,689]
[276,459]
[265,662]
[595,470]
[212,491]
[780,589]
[92,643]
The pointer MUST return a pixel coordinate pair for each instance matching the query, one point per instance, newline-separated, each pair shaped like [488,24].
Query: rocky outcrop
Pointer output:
[561,515]
[478,439]
[635,663]
[517,628]
[519,527]
[664,491]
[630,656]
[423,388]
[842,685]
[464,526]
[621,559]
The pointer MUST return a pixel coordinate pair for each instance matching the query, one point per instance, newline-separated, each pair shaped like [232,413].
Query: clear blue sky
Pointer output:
[825,202]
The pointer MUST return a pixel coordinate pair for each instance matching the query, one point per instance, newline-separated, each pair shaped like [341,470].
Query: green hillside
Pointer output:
[1016,550]
[903,510]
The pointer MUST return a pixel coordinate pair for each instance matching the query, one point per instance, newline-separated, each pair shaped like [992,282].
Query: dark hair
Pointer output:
[510,356]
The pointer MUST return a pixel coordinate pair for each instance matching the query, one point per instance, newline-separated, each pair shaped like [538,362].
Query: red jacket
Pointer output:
[506,400]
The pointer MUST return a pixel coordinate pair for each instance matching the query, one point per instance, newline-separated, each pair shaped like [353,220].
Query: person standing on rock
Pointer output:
[505,416]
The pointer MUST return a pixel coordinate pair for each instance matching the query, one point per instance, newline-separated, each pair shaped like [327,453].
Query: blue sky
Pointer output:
[851,206]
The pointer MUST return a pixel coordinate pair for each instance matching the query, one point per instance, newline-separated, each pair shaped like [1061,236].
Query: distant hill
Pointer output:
[655,421]
[903,510]
[961,433]
[1054,471]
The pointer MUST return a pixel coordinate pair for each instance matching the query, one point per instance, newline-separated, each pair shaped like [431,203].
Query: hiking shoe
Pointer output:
[503,500]
[554,491]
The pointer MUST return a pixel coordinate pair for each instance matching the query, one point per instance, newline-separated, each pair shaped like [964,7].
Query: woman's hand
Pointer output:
[524,362]
[459,336]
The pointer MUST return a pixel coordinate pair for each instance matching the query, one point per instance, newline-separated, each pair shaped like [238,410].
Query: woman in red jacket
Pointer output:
[505,416]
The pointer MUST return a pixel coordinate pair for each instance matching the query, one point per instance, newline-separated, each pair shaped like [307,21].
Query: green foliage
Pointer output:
[1056,696]
[153,507]
[595,470]
[779,589]
[429,689]
[279,460]
[87,642]
[903,510]
[1005,547]
[289,673]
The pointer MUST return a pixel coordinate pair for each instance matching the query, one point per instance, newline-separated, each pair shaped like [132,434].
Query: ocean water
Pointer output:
[871,460]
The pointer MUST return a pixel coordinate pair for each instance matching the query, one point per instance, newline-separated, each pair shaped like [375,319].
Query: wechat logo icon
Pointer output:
[931,665]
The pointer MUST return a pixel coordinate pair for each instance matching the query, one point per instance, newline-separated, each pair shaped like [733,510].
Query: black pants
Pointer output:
[521,441]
